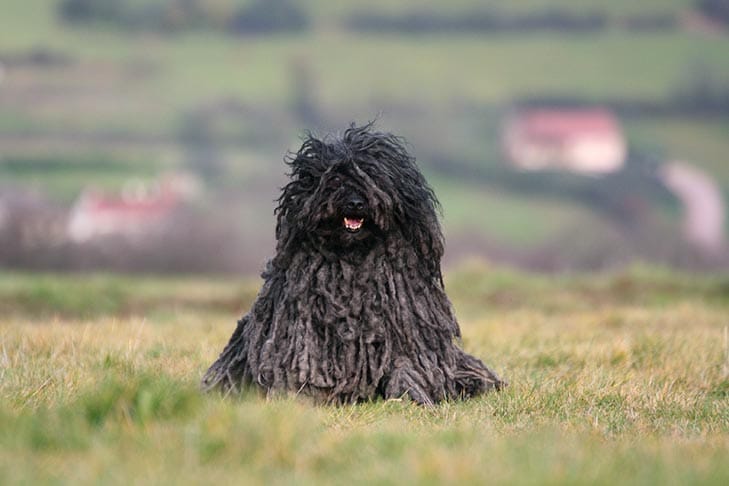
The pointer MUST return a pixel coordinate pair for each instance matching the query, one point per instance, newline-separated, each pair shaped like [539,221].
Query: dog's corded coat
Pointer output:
[353,305]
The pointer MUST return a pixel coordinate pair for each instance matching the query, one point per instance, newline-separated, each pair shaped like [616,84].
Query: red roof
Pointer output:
[160,205]
[567,123]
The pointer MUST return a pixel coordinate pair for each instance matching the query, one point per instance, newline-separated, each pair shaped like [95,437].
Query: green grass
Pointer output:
[617,8]
[64,177]
[620,378]
[83,296]
[697,141]
[482,209]
[485,69]
[323,12]
[192,67]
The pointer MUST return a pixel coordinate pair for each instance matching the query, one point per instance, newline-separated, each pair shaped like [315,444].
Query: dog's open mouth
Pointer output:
[353,224]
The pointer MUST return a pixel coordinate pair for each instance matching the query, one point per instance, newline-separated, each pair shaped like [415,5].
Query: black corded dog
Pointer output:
[353,305]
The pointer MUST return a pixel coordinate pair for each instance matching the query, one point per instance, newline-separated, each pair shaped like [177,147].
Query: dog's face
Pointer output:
[344,212]
[347,193]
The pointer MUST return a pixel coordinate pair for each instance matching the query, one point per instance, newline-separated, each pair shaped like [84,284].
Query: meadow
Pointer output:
[616,378]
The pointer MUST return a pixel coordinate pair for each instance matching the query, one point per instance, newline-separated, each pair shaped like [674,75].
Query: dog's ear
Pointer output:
[422,227]
[307,166]
[414,204]
[311,160]
[400,187]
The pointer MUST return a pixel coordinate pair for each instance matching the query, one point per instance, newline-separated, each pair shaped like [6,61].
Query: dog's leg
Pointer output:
[473,378]
[405,380]
[230,371]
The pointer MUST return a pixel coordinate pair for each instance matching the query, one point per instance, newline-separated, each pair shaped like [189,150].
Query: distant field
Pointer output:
[322,10]
[192,67]
[120,106]
[516,221]
[615,7]
[622,378]
[348,69]
[144,84]
[62,179]
[703,142]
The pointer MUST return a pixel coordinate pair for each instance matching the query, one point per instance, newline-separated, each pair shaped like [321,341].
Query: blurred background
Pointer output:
[559,135]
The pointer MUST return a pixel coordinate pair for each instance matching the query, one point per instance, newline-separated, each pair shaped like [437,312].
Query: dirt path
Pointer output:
[703,203]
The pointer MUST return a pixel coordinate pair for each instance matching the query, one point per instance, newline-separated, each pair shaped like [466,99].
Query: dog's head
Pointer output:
[346,193]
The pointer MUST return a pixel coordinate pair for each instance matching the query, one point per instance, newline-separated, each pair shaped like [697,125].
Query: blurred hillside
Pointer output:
[112,95]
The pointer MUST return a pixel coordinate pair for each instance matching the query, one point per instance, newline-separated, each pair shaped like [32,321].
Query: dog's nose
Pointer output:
[355,204]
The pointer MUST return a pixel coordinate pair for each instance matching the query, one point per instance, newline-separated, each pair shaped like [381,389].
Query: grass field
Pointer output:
[348,69]
[621,378]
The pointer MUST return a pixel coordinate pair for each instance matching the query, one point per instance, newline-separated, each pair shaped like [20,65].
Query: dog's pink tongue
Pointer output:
[353,223]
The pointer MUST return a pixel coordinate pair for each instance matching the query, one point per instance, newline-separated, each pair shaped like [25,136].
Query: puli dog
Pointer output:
[353,305]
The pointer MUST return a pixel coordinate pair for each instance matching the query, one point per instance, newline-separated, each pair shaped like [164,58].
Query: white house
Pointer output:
[134,213]
[580,140]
